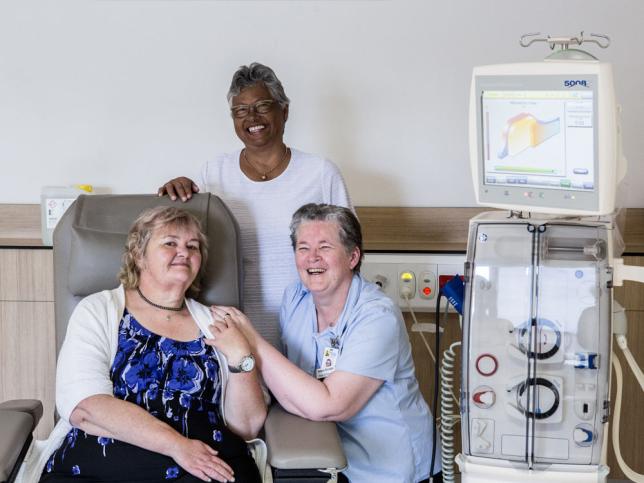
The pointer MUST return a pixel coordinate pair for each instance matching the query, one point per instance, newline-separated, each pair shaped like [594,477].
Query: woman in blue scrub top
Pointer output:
[347,353]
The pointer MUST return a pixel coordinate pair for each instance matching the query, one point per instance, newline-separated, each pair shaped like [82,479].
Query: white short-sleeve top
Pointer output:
[263,210]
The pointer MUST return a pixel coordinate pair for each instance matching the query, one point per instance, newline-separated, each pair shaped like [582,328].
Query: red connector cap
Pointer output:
[443,279]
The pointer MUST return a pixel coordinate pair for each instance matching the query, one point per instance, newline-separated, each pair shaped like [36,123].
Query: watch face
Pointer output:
[247,363]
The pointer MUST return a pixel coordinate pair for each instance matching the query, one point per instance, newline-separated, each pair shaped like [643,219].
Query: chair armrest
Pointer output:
[33,407]
[298,443]
[15,431]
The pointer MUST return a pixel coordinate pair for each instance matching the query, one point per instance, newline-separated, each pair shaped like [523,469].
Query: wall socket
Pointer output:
[416,275]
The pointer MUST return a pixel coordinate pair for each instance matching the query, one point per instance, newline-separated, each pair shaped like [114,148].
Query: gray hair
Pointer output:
[249,75]
[348,225]
[139,237]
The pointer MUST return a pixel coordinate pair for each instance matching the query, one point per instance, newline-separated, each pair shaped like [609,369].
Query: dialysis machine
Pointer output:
[545,144]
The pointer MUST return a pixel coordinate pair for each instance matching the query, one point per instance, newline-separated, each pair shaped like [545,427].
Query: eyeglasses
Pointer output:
[260,107]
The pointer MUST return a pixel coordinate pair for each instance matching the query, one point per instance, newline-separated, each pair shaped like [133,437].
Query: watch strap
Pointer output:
[240,367]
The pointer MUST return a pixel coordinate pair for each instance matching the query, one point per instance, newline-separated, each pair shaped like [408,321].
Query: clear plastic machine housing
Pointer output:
[536,341]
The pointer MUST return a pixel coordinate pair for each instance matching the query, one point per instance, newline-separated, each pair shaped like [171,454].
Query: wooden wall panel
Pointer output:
[385,228]
[20,225]
[445,229]
[633,231]
[415,229]
[26,275]
[27,356]
[632,414]
[425,366]
[631,296]
[27,338]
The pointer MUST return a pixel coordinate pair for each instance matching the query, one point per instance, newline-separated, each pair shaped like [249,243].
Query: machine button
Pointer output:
[427,285]
[583,435]
[407,284]
[486,364]
[585,408]
[484,397]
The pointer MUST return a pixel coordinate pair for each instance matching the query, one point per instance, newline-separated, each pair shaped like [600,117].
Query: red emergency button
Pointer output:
[427,291]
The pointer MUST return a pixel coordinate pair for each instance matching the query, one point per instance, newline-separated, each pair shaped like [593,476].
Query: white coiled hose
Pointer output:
[448,418]
[627,470]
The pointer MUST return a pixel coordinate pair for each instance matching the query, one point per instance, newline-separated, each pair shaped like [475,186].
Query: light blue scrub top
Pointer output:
[390,438]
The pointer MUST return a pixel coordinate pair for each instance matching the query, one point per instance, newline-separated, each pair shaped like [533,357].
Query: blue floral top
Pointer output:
[177,382]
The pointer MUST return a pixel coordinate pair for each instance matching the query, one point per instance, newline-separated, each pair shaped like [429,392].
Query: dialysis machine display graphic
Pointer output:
[525,131]
[541,139]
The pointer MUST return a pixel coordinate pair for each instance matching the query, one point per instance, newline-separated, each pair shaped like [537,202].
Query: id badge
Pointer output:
[329,358]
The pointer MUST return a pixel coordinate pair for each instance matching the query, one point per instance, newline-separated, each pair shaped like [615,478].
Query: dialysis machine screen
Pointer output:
[543,143]
[539,139]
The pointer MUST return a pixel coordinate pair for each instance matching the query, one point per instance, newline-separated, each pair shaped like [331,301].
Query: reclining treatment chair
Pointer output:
[88,244]
[18,419]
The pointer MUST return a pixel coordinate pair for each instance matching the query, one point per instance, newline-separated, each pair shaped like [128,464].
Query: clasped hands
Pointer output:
[232,333]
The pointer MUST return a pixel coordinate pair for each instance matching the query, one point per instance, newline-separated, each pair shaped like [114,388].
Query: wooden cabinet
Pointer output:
[27,338]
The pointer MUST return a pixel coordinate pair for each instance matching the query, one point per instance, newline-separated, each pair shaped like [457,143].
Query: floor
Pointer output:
[458,480]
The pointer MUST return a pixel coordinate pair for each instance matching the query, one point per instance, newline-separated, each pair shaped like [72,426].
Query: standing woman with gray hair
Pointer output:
[263,184]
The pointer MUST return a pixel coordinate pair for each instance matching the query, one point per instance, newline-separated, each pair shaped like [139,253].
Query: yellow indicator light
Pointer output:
[406,276]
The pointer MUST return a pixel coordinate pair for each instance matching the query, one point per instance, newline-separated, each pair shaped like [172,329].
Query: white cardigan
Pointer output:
[85,361]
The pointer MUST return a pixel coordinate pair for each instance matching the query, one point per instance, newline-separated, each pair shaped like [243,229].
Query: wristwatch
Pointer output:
[246,364]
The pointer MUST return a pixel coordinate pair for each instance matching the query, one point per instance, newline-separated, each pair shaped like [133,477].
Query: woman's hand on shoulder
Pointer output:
[229,330]
[181,187]
[200,460]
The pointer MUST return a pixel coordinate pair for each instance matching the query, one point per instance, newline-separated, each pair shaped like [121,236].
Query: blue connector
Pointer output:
[454,292]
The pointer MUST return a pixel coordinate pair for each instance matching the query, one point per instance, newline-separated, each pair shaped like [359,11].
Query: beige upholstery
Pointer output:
[294,442]
[18,419]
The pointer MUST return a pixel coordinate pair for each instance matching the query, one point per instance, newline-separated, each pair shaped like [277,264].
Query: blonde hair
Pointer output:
[140,234]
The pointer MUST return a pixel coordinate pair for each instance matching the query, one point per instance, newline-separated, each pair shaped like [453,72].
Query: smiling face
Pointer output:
[172,258]
[259,130]
[324,265]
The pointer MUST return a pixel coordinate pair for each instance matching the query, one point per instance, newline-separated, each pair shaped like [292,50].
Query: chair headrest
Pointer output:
[89,242]
[96,260]
[99,233]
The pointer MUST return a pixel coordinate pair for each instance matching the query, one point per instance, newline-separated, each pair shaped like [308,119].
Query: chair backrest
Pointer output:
[90,238]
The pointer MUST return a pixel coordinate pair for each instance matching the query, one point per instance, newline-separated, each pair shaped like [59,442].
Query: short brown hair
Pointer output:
[139,236]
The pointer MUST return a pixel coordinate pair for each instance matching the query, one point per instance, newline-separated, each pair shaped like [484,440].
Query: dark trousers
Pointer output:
[438,478]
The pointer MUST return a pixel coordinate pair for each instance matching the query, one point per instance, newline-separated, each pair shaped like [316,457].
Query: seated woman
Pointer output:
[348,356]
[141,397]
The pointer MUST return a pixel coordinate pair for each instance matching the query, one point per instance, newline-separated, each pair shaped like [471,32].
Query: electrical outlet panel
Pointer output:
[412,278]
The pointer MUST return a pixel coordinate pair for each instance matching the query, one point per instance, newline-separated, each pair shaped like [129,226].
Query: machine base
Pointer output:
[484,470]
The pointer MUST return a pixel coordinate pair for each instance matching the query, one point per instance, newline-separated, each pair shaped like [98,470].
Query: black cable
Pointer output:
[539,381]
[436,382]
[540,355]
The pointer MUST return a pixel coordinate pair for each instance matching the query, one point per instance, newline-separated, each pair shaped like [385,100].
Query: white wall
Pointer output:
[126,94]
